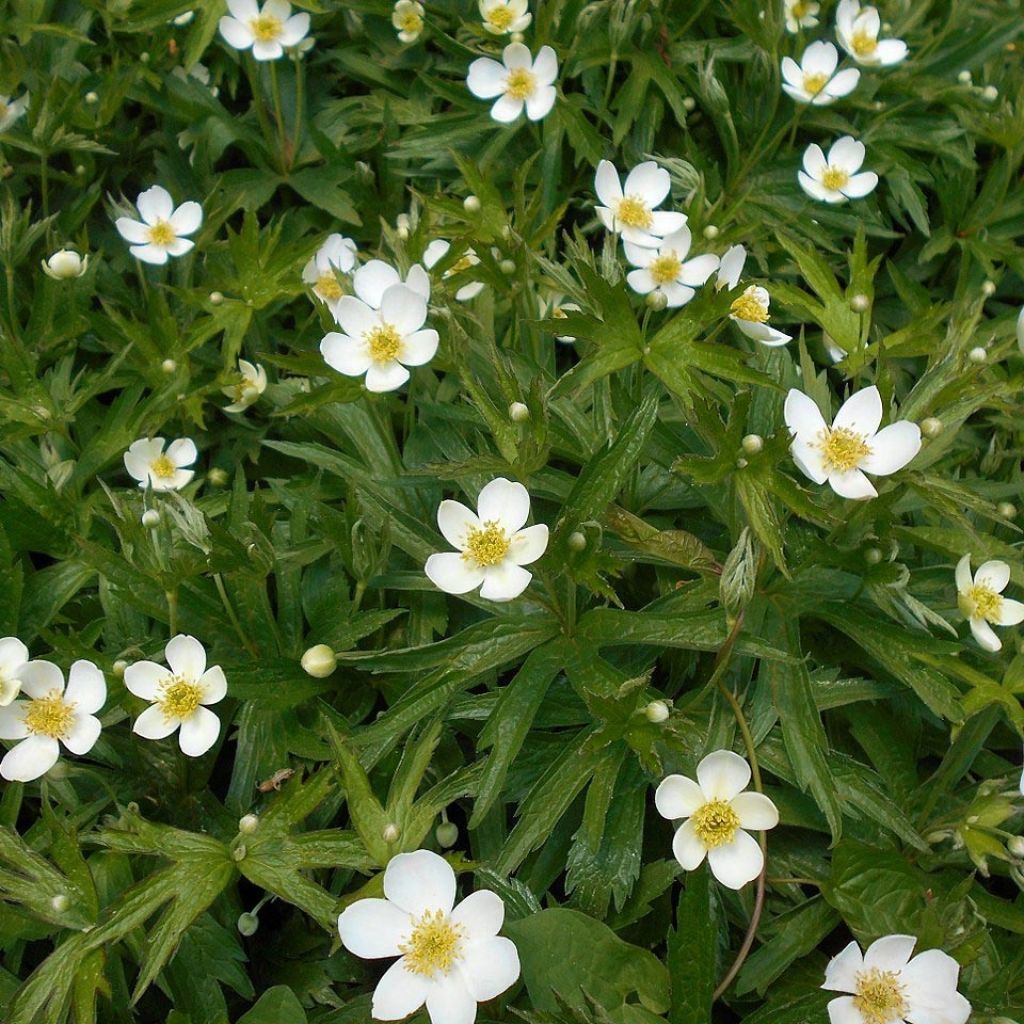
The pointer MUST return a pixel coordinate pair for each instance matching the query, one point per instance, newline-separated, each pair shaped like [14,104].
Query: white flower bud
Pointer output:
[151,519]
[471,204]
[1015,844]
[168,366]
[248,823]
[657,300]
[63,264]
[391,833]
[860,303]
[60,903]
[977,355]
[507,267]
[144,57]
[990,93]
[988,288]
[577,541]
[216,298]
[1007,509]
[931,427]
[91,97]
[80,169]
[872,556]
[183,19]
[656,711]
[319,661]
[402,225]
[516,37]
[689,103]
[446,834]
[247,924]
[965,77]
[752,444]
[518,413]
[119,666]
[710,232]
[217,476]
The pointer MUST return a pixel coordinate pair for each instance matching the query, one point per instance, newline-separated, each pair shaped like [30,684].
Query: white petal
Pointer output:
[149,254]
[186,656]
[382,377]
[755,811]
[504,582]
[155,204]
[1011,613]
[469,291]
[792,74]
[87,689]
[517,55]
[179,247]
[345,354]
[852,484]
[490,967]
[437,249]
[861,412]
[13,654]
[931,981]
[964,579]
[809,460]
[132,230]
[641,281]
[994,574]
[187,218]
[355,317]
[481,914]
[244,9]
[860,185]
[802,415]
[844,1011]
[418,348]
[890,953]
[449,1001]
[731,268]
[722,775]
[83,734]
[279,9]
[687,847]
[153,724]
[267,51]
[736,863]
[648,181]
[403,308]
[539,104]
[182,452]
[199,732]
[374,928]
[372,280]
[237,34]
[820,57]
[814,161]
[528,545]
[890,51]
[676,295]
[507,109]
[174,483]
[842,970]
[545,66]
[486,79]
[420,881]
[816,190]
[399,993]
[141,454]
[606,183]
[695,272]
[892,448]
[295,29]
[40,678]
[504,502]
[31,758]
[843,83]
[678,797]
[985,636]
[847,153]
[144,678]
[12,721]
[666,222]
[418,280]
[214,685]
[456,522]
[453,574]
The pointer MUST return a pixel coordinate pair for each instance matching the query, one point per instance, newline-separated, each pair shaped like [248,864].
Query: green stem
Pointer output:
[229,608]
[282,141]
[300,103]
[172,611]
[252,73]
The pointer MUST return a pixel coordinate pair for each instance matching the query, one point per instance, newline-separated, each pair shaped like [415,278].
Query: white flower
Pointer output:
[815,80]
[267,31]
[13,658]
[336,256]
[630,209]
[251,383]
[54,715]
[886,986]
[437,250]
[836,179]
[373,279]
[65,263]
[1020,329]
[730,267]
[492,545]
[160,232]
[857,31]
[852,446]
[556,308]
[750,313]
[381,343]
[981,601]
[801,14]
[666,270]
[407,17]
[148,463]
[450,957]
[179,694]
[717,810]
[11,110]
[504,16]
[519,80]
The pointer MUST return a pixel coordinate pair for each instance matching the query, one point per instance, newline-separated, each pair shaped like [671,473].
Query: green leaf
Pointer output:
[693,950]
[278,1005]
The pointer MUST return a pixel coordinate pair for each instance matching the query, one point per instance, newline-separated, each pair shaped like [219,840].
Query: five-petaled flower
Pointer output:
[13,658]
[162,230]
[750,314]
[148,462]
[801,14]
[492,544]
[852,446]
[502,17]
[268,30]
[179,694]
[450,957]
[857,31]
[717,810]
[666,269]
[980,598]
[520,80]
[407,17]
[835,179]
[250,382]
[815,79]
[336,256]
[884,985]
[52,716]
[436,251]
[630,210]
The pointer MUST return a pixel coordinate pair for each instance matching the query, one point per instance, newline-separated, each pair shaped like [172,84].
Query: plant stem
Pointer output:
[226,601]
[275,92]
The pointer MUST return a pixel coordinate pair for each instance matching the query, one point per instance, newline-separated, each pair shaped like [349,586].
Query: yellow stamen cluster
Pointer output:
[409,21]
[814,82]
[665,268]
[327,287]
[384,342]
[49,716]
[864,44]
[632,212]
[488,546]
[843,449]
[879,997]
[981,602]
[800,9]
[715,823]
[835,178]
[265,27]
[500,17]
[179,698]
[520,84]
[750,308]
[161,233]
[433,946]
[162,467]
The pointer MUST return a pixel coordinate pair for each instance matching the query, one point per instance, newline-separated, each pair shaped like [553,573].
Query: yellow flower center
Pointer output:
[715,823]
[434,944]
[835,178]
[488,546]
[843,449]
[559,314]
[520,84]
[749,307]
[161,233]
[162,467]
[815,82]
[384,342]
[327,287]
[633,212]
[800,9]
[665,268]
[49,716]
[409,20]
[500,17]
[265,27]
[179,698]
[880,997]
[460,265]
[863,43]
[981,602]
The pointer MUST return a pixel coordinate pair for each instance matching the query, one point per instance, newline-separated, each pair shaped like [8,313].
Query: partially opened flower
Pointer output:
[801,14]
[857,31]
[64,264]
[629,209]
[666,270]
[730,267]
[52,716]
[381,343]
[148,462]
[750,314]
[981,601]
[492,544]
[852,446]
[162,230]
[505,16]
[450,957]
[373,279]
[815,79]
[179,694]
[11,110]
[13,658]
[886,986]
[437,250]
[336,256]
[251,383]
[834,180]
[268,30]
[717,810]
[407,17]
[520,80]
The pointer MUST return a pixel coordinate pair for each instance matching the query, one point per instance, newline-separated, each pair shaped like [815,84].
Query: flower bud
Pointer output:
[860,303]
[988,288]
[931,427]
[80,170]
[471,204]
[752,444]
[1015,844]
[446,834]
[217,476]
[144,57]
[977,355]
[577,541]
[119,666]
[965,77]
[710,232]
[216,298]
[657,300]
[1007,509]
[742,463]
[391,833]
[247,924]
[507,267]
[151,519]
[319,661]
[168,366]
[990,93]
[60,903]
[516,37]
[63,264]
[689,103]
[656,711]
[183,19]
[91,97]
[872,556]
[518,413]
[402,225]
[248,823]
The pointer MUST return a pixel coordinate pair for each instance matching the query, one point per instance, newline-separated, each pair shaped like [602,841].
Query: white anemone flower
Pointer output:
[64,264]
[501,17]
[407,17]
[801,14]
[437,250]
[980,599]
[834,180]
[852,446]
[750,314]
[373,279]
[162,230]
[148,463]
[450,957]
[520,80]
[666,270]
[630,209]
[730,267]
[52,716]
[268,30]
[13,658]
[717,810]
[11,110]
[857,31]
[336,256]
[492,544]
[381,343]
[179,693]
[251,383]
[815,79]
[886,986]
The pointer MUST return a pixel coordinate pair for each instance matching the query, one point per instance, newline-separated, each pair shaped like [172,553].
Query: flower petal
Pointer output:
[814,161]
[648,181]
[153,724]
[809,460]
[843,83]
[355,317]
[755,811]
[39,678]
[993,574]
[30,759]
[802,416]
[528,545]
[861,412]
[456,522]
[372,280]
[504,582]
[403,308]
[844,1011]
[892,448]
[155,204]
[722,775]
[344,354]
[846,153]
[12,721]
[236,33]
[985,635]
[83,734]
[860,185]
[187,218]
[490,967]
[182,452]
[267,50]
[695,272]
[964,579]
[852,484]
[143,678]
[891,953]
[214,685]
[87,688]
[132,230]
[678,797]
[452,573]
[199,732]
[449,1000]
[736,863]
[399,993]
[504,502]
[606,183]
[1011,613]
[374,928]
[419,347]
[186,656]
[931,981]
[420,881]
[382,377]
[820,58]
[539,104]
[481,914]
[295,29]
[891,51]
[641,281]
[842,970]
[507,109]
[13,654]
[687,847]
[545,66]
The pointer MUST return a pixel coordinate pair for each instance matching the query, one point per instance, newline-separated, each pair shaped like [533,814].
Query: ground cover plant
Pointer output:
[511,512]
